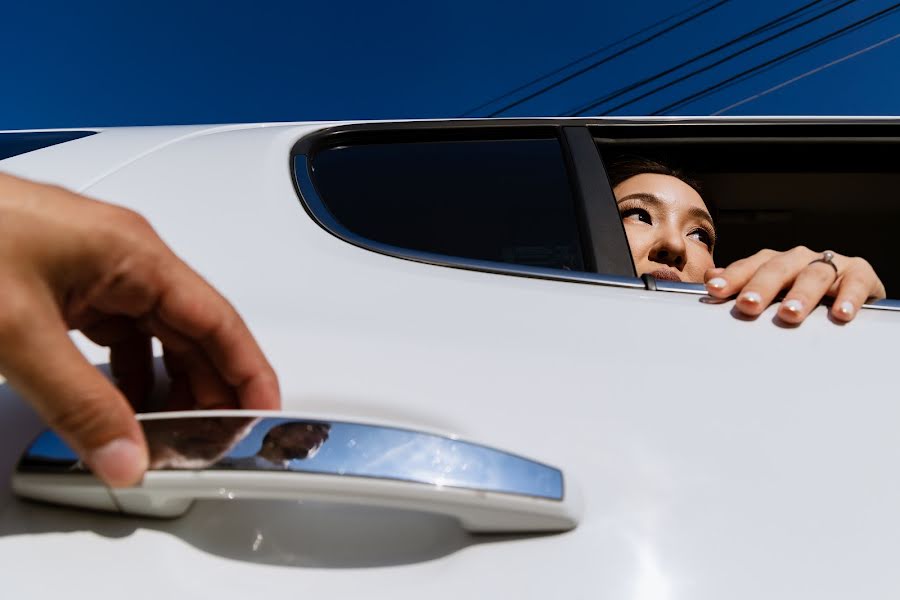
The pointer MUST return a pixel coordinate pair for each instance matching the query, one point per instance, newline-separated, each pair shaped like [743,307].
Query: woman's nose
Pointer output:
[669,250]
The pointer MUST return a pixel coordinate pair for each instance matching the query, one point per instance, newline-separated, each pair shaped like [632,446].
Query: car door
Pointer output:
[714,456]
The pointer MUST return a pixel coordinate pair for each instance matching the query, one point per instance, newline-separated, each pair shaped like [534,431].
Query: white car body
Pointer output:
[716,457]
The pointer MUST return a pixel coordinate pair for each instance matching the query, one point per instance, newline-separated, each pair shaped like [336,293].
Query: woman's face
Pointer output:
[669,229]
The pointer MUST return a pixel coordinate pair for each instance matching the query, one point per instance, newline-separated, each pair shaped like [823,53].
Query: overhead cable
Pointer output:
[779,59]
[730,57]
[633,86]
[818,69]
[607,59]
[581,59]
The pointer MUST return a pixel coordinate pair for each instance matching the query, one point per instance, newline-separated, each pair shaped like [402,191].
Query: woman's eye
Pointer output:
[637,214]
[702,236]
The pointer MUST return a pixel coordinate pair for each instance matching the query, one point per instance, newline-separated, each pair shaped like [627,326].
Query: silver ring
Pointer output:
[828,259]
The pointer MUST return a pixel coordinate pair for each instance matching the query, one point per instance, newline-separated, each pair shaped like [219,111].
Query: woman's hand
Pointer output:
[759,278]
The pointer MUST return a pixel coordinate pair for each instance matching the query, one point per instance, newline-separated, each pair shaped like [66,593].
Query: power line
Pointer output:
[818,69]
[779,59]
[621,91]
[606,59]
[584,58]
[731,56]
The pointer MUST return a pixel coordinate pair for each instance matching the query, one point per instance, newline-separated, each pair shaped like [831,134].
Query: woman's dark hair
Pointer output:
[620,168]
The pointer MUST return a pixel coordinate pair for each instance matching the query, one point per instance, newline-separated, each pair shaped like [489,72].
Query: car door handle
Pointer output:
[234,455]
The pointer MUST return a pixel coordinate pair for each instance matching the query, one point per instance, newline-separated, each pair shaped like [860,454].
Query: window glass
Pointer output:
[498,200]
[838,194]
[15,143]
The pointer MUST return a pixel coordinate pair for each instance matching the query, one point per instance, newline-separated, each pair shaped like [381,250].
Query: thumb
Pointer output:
[76,400]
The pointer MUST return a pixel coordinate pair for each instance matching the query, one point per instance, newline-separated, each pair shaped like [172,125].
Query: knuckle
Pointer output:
[767,253]
[857,263]
[805,254]
[128,235]
[90,415]
[85,419]
[15,309]
[56,189]
[778,267]
[123,225]
[820,274]
[862,283]
[132,220]
[859,270]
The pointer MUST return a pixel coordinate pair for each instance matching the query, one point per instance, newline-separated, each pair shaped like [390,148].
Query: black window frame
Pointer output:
[602,231]
[607,256]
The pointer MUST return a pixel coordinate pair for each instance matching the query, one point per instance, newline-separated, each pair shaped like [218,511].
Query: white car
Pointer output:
[471,280]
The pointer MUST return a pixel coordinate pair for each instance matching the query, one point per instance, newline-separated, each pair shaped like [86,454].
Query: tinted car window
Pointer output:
[834,193]
[498,200]
[15,143]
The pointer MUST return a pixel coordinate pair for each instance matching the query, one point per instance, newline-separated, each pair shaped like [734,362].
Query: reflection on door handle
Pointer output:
[234,455]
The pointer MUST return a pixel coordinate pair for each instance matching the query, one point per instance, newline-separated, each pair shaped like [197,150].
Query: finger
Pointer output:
[208,389]
[74,398]
[178,395]
[857,285]
[131,356]
[713,272]
[810,286]
[186,361]
[853,293]
[149,278]
[131,361]
[724,283]
[770,278]
[190,307]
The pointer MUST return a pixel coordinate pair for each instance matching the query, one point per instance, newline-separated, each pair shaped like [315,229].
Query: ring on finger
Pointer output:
[828,259]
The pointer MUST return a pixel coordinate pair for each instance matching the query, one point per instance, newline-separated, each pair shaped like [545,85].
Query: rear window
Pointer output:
[825,187]
[506,201]
[16,143]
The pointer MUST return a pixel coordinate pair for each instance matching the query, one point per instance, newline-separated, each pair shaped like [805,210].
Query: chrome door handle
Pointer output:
[263,455]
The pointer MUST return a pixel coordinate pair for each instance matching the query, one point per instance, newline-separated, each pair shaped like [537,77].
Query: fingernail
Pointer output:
[119,463]
[751,297]
[793,305]
[716,283]
[847,308]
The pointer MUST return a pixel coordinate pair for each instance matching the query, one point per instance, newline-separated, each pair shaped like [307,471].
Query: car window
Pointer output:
[500,200]
[14,143]
[772,186]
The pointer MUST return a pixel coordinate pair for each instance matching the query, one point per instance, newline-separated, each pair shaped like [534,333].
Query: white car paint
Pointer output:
[717,457]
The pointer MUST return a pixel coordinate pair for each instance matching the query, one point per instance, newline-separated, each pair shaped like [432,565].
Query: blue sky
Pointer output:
[116,63]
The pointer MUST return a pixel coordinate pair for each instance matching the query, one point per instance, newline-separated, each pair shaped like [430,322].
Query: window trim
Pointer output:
[603,233]
[698,289]
[584,190]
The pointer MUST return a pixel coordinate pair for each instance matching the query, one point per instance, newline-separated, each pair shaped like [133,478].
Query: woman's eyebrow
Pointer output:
[651,198]
[694,212]
[699,213]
